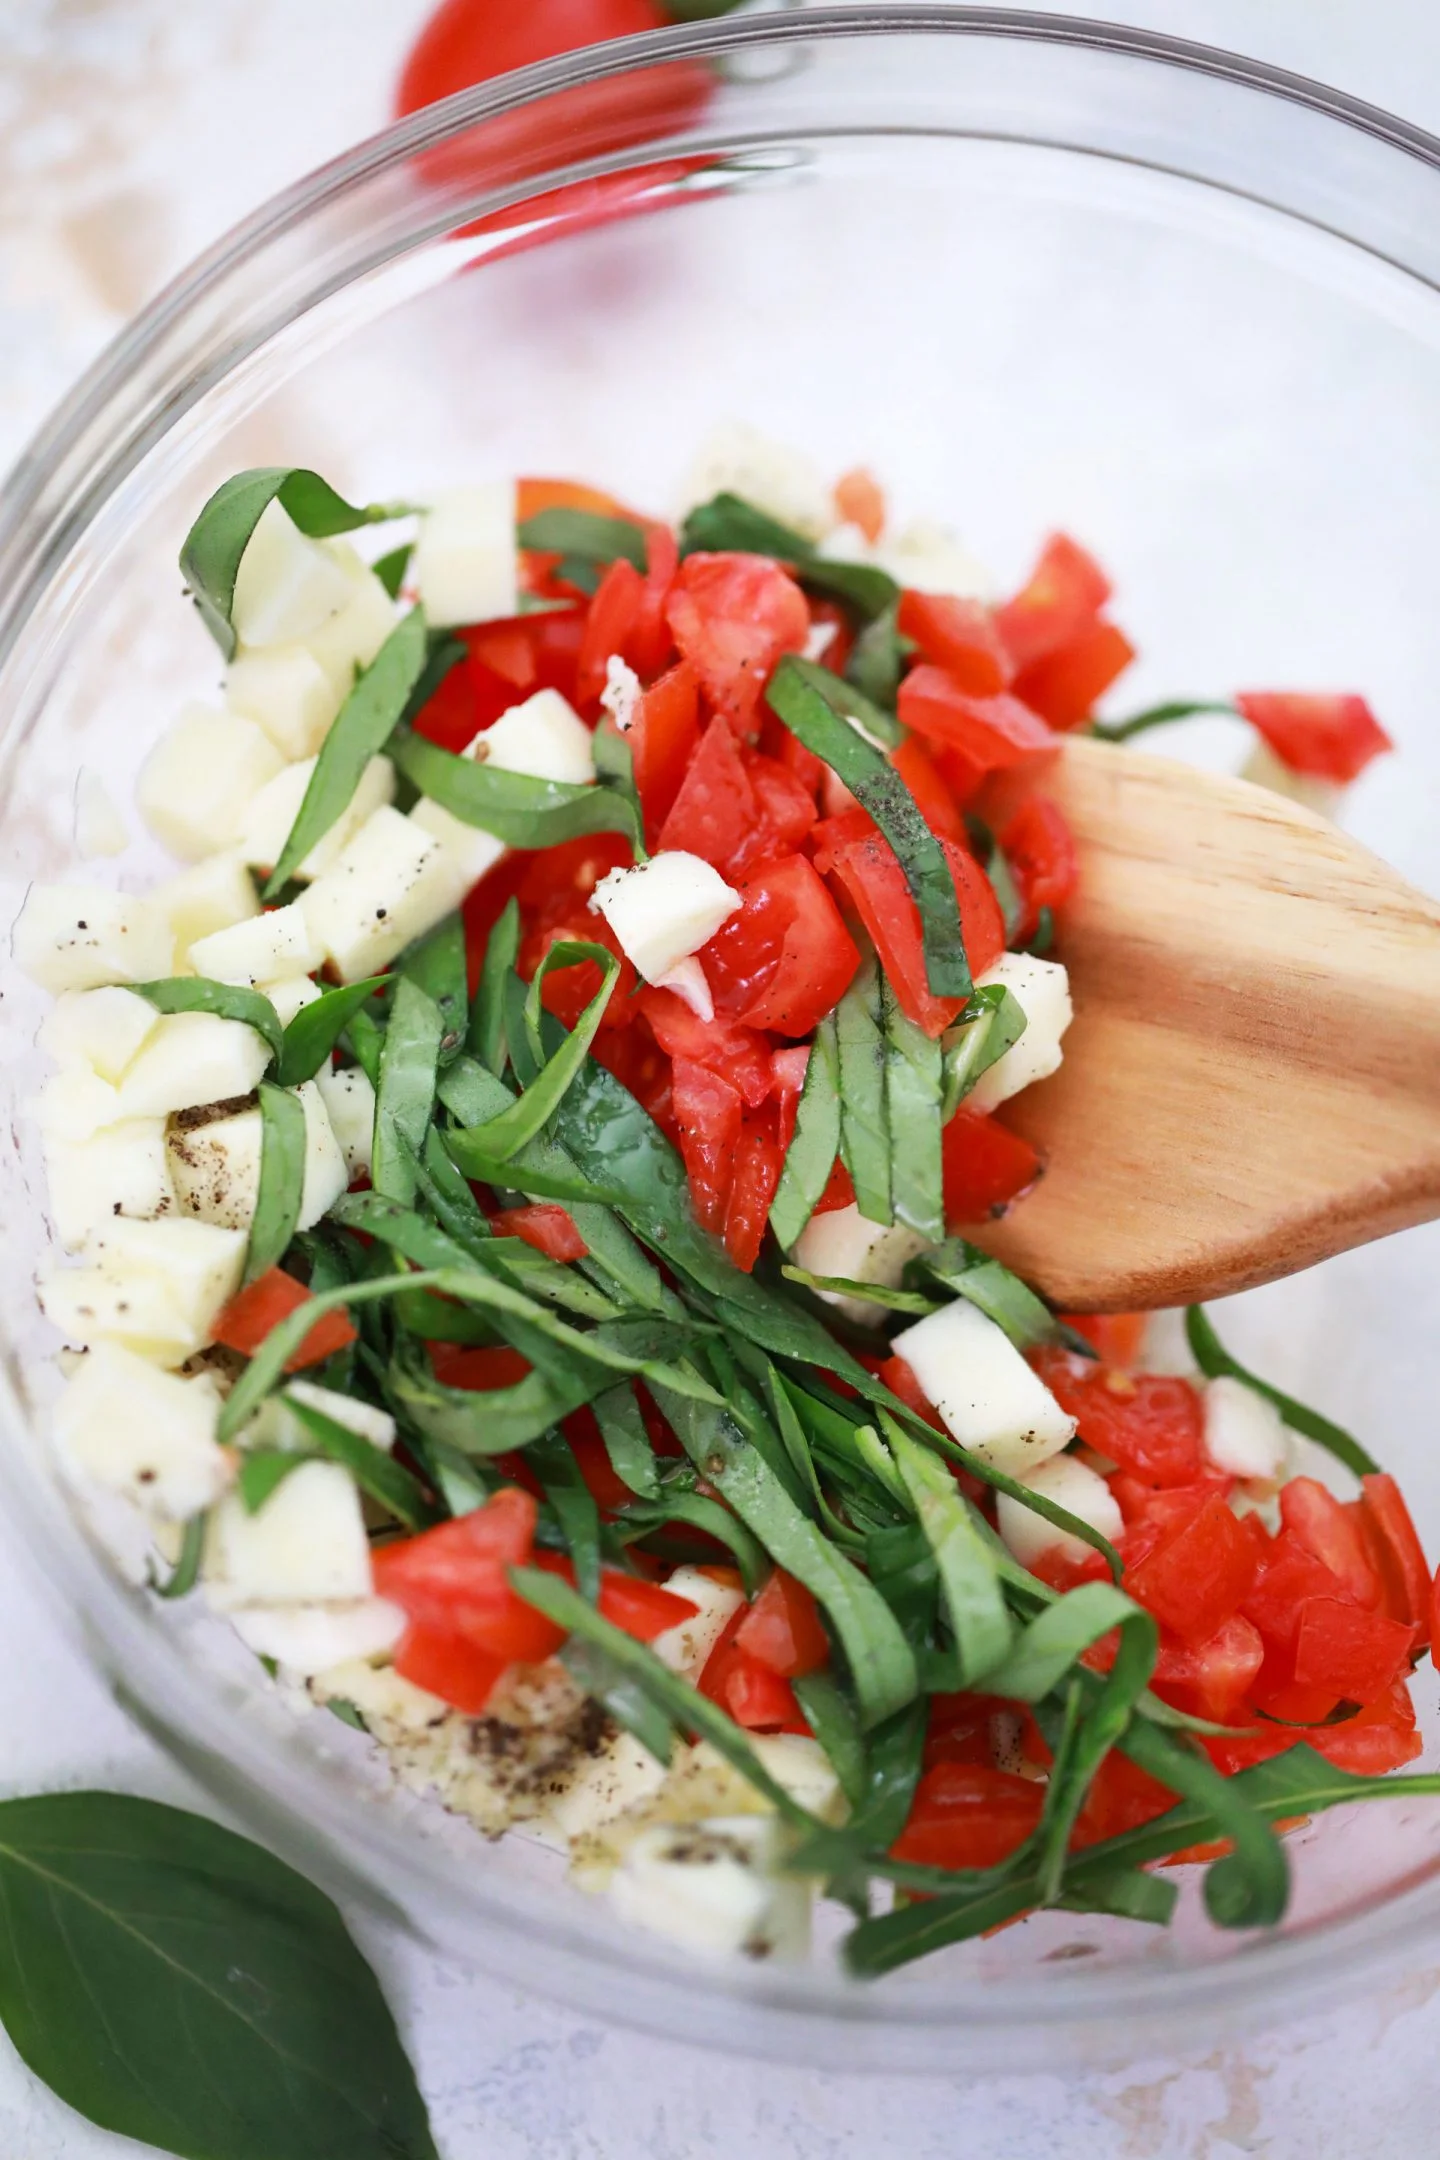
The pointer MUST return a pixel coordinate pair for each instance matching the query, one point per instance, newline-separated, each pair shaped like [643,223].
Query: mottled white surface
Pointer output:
[131,132]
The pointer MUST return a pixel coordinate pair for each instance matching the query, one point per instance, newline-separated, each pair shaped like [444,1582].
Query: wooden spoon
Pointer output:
[1252,1079]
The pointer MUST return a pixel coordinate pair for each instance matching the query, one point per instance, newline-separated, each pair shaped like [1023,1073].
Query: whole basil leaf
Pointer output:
[175,1984]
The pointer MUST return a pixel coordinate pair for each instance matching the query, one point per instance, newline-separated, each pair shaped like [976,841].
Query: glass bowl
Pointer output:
[1034,272]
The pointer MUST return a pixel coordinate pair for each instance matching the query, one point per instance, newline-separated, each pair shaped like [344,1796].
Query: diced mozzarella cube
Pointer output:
[391,883]
[983,1389]
[350,1100]
[79,937]
[665,909]
[1043,989]
[193,1058]
[306,1545]
[72,1106]
[195,785]
[101,1029]
[844,1242]
[623,1775]
[215,1167]
[382,1697]
[144,1433]
[1244,1433]
[287,586]
[544,737]
[928,558]
[737,460]
[326,1173]
[801,1765]
[469,852]
[465,566]
[291,997]
[715,1886]
[309,1639]
[122,1170]
[91,1305]
[285,691]
[273,812]
[376,1426]
[211,896]
[1071,1484]
[267,949]
[198,1263]
[622,693]
[99,827]
[1263,769]
[349,641]
[686,1646]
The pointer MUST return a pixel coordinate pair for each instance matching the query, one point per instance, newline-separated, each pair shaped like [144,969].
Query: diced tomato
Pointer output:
[783,1629]
[1380,1738]
[1325,1527]
[640,1608]
[478,1371]
[1195,1579]
[989,733]
[1118,1337]
[839,1190]
[787,1083]
[1396,1553]
[1065,686]
[870,872]
[651,646]
[739,1054]
[1066,591]
[258,1310]
[777,741]
[1288,1700]
[1065,1570]
[544,1225]
[900,1379]
[639,1064]
[756,1697]
[1040,849]
[759,1159]
[455,1577]
[714,813]
[663,738]
[1122,1797]
[506,649]
[959,636]
[860,501]
[1149,1423]
[966,1815]
[449,1665]
[1210,1679]
[1356,1653]
[554,895]
[592,1459]
[733,616]
[1289,1577]
[784,959]
[1334,738]
[985,1166]
[932,793]
[611,619]
[708,1117]
[784,814]
[958,1729]
[1159,1511]
[832,835]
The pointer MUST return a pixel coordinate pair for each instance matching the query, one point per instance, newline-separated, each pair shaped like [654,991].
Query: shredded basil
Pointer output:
[586,534]
[866,1145]
[815,1142]
[1215,1361]
[727,522]
[914,1074]
[405,1098]
[992,1023]
[313,1033]
[515,807]
[1158,716]
[282,1180]
[227,1001]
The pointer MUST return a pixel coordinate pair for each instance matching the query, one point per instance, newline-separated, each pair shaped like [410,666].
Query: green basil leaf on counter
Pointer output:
[317,1027]
[515,807]
[1216,1362]
[210,557]
[227,1001]
[282,1180]
[586,534]
[177,1985]
[363,726]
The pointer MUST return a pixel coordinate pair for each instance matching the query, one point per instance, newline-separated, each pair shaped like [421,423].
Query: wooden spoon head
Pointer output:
[1252,1079]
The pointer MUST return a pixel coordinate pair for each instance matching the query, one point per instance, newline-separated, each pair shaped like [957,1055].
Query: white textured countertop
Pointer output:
[132,132]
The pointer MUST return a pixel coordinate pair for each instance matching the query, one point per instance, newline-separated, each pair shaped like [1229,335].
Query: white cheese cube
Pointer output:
[147,1434]
[1043,989]
[309,1639]
[469,852]
[215,1167]
[686,1646]
[390,884]
[193,1058]
[326,1171]
[211,896]
[119,1171]
[844,1242]
[1071,1484]
[195,784]
[198,1263]
[79,937]
[465,566]
[349,641]
[72,1106]
[1244,1434]
[267,949]
[350,1100]
[271,815]
[623,692]
[622,1776]
[544,737]
[383,1699]
[306,1544]
[91,1305]
[716,1887]
[982,1387]
[289,998]
[376,1426]
[99,827]
[287,586]
[738,460]
[928,558]
[101,1029]
[664,910]
[285,691]
[801,1765]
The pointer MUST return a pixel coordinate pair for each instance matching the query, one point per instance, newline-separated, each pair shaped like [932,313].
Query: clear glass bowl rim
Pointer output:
[55,489]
